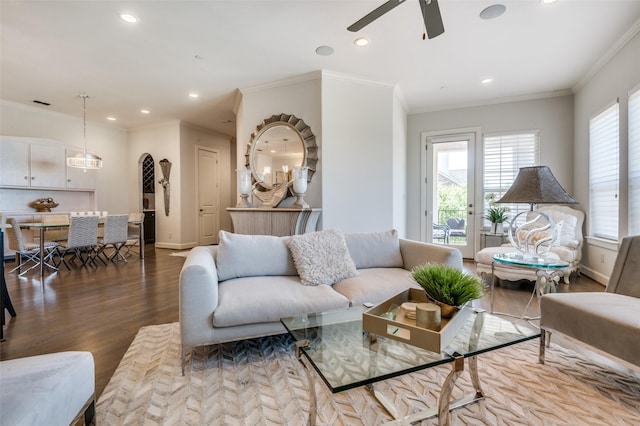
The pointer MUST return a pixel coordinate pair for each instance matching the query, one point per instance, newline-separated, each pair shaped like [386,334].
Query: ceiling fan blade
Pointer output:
[374,14]
[432,18]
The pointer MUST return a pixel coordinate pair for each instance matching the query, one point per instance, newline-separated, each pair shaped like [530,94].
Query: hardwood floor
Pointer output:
[101,309]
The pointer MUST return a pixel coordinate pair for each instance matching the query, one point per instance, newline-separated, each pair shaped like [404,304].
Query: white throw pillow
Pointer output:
[321,257]
[375,249]
[252,256]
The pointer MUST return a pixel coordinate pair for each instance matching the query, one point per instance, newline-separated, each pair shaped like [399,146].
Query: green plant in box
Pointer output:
[446,284]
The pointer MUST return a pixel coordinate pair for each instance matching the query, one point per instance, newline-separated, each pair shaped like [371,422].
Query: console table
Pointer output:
[274,221]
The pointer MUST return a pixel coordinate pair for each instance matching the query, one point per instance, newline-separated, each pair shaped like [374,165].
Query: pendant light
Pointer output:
[84,160]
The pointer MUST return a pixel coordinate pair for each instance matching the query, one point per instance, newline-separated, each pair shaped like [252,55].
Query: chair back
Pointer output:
[116,229]
[14,236]
[56,219]
[83,231]
[625,277]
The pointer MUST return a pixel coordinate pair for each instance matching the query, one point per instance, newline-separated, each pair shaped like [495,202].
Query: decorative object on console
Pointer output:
[244,187]
[448,287]
[300,186]
[278,144]
[165,166]
[84,160]
[495,214]
[43,204]
[534,185]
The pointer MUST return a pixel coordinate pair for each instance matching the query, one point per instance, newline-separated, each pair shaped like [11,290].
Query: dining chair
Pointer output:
[59,234]
[82,241]
[115,235]
[133,238]
[27,253]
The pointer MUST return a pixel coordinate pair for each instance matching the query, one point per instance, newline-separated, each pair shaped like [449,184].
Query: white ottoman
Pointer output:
[52,389]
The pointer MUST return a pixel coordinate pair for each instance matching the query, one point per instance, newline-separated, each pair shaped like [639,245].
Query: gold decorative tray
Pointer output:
[405,330]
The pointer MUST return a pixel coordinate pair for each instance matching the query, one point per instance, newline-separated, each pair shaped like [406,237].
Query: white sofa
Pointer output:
[568,247]
[241,288]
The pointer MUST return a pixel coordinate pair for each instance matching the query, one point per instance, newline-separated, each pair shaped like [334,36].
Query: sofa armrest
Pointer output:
[416,253]
[198,295]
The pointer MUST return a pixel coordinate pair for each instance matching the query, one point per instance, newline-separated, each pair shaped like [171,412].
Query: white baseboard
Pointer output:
[176,246]
[594,275]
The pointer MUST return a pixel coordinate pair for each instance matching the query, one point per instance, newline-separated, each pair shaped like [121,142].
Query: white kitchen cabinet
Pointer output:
[35,165]
[14,163]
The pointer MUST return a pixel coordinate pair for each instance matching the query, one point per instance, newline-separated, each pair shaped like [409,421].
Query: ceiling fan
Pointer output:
[430,14]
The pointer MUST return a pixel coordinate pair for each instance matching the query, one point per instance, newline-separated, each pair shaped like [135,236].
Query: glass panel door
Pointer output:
[450,191]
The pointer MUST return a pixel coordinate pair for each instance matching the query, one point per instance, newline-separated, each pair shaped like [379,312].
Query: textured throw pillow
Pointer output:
[252,256]
[375,249]
[321,257]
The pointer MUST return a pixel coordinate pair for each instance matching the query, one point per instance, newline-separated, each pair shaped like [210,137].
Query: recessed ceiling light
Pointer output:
[487,80]
[324,50]
[548,1]
[194,95]
[493,11]
[111,118]
[127,17]
[145,111]
[361,42]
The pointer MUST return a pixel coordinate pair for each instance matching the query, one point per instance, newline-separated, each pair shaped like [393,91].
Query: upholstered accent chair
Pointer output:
[568,247]
[609,320]
[50,389]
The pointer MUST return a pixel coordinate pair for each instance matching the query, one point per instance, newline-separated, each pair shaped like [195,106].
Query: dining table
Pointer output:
[43,227]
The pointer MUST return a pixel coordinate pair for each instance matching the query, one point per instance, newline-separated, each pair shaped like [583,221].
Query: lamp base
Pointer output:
[244,202]
[299,203]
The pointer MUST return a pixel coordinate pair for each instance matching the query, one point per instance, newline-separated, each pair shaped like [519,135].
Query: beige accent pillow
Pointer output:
[375,249]
[321,257]
[252,255]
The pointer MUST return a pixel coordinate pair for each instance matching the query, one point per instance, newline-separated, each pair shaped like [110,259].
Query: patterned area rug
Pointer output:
[260,382]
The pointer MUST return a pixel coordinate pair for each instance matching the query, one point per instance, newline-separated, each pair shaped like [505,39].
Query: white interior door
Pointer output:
[448,190]
[208,196]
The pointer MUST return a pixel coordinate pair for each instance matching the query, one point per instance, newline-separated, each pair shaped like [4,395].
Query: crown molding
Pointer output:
[496,101]
[604,60]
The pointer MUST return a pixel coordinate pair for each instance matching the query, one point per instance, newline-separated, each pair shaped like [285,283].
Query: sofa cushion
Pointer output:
[252,255]
[321,257]
[267,299]
[375,285]
[375,249]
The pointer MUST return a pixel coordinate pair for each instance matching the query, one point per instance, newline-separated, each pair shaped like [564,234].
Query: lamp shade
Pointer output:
[536,185]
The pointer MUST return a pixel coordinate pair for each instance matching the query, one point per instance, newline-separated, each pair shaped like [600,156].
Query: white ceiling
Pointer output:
[53,50]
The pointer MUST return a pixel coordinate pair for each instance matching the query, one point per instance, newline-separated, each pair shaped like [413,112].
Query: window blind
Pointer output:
[604,173]
[503,157]
[634,163]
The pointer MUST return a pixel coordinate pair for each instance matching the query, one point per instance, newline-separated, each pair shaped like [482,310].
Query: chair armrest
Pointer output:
[416,253]
[198,294]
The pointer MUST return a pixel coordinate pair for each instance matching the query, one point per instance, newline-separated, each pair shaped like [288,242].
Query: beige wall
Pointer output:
[619,75]
[552,117]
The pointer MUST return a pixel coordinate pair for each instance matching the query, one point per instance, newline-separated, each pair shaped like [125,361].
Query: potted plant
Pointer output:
[496,215]
[447,286]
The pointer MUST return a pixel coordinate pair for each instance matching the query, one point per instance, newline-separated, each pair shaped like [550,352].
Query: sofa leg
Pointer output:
[90,414]
[183,359]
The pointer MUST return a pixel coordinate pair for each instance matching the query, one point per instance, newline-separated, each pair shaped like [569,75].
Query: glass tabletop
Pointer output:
[538,261]
[344,358]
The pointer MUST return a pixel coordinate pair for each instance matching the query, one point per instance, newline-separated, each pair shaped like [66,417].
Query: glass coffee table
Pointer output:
[334,344]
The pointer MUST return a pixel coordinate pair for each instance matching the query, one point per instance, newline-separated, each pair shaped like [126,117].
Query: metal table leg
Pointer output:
[313,402]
